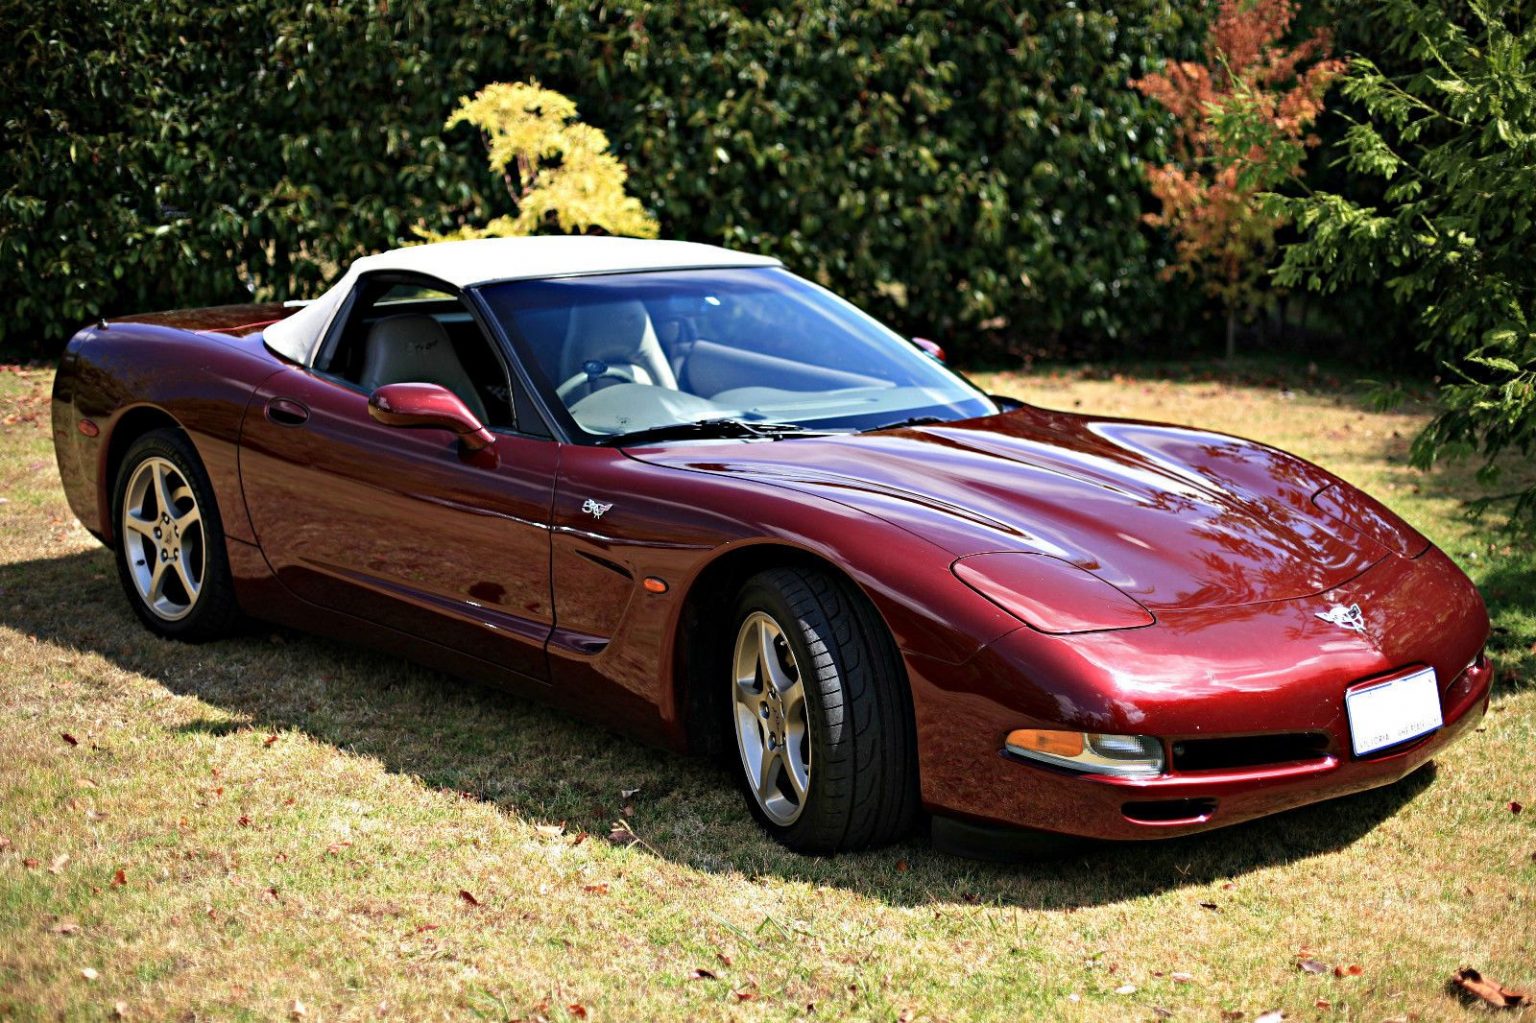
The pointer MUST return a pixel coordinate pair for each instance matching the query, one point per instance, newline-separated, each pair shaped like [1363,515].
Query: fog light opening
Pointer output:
[1169,811]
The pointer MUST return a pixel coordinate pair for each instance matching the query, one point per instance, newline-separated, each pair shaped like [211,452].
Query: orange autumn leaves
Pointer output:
[1242,123]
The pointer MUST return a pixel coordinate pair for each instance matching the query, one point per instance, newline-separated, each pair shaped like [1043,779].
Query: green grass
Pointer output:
[295,819]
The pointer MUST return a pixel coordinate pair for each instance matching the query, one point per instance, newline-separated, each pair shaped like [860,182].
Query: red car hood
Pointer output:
[1176,518]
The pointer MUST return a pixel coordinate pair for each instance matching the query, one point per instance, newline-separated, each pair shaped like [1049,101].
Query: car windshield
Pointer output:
[728,352]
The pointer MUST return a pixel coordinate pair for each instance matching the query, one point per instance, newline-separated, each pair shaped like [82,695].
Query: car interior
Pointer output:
[404,333]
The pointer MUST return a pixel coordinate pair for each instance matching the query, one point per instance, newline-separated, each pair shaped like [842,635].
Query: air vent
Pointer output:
[1248,751]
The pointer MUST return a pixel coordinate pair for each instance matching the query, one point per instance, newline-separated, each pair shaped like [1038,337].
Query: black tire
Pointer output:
[212,613]
[861,789]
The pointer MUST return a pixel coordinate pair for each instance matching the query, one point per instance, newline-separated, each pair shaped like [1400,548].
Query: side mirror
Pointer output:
[932,349]
[428,405]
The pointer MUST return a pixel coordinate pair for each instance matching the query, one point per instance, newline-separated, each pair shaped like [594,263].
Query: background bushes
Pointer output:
[977,164]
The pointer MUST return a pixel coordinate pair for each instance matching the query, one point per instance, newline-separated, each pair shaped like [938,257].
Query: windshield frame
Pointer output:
[567,428]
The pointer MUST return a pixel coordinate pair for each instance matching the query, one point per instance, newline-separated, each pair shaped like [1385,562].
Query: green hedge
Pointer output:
[947,166]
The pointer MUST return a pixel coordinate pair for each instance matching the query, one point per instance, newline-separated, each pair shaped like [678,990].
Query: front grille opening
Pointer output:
[1167,811]
[1248,751]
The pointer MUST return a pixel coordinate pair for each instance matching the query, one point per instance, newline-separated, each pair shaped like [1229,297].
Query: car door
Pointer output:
[405,527]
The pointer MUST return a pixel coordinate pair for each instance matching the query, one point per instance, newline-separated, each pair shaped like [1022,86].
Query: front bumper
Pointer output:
[1242,673]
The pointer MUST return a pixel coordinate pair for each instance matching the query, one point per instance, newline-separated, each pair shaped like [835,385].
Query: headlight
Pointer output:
[1050,595]
[1129,756]
[1369,517]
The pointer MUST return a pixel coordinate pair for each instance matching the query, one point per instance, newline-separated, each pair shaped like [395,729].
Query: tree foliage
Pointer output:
[1454,235]
[557,170]
[944,166]
[1242,121]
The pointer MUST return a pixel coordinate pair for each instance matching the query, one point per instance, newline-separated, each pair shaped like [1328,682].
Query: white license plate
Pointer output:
[1386,713]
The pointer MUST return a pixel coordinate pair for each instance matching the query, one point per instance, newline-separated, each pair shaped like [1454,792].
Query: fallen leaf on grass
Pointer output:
[423,928]
[119,1010]
[1471,982]
[725,960]
[69,738]
[30,863]
[1162,1013]
[1515,807]
[744,995]
[1311,966]
[628,793]
[1126,989]
[577,1009]
[66,927]
[297,1010]
[244,821]
[89,974]
[1352,970]
[622,834]
[1231,1015]
[58,863]
[700,973]
[1181,977]
[1272,1016]
[550,830]
[269,740]
[119,878]
[5,843]
[270,895]
[1323,1003]
[335,848]
[601,888]
[469,899]
[1210,906]
[902,866]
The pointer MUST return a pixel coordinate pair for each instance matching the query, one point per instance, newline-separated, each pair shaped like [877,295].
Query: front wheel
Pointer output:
[170,549]
[821,714]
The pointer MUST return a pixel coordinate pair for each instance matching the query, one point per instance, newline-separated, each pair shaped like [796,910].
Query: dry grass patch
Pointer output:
[283,826]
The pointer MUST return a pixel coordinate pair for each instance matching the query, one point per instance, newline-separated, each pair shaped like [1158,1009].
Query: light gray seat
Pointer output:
[415,349]
[618,334]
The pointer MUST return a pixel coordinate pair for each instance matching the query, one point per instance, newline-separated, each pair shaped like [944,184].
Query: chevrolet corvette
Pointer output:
[684,493]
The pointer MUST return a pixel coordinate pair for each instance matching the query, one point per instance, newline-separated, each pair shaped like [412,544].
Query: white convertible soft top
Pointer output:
[483,260]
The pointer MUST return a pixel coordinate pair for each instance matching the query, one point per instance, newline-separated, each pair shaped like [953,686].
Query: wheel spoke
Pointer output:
[748,695]
[768,658]
[131,521]
[184,573]
[192,517]
[794,702]
[156,589]
[768,774]
[795,771]
[163,490]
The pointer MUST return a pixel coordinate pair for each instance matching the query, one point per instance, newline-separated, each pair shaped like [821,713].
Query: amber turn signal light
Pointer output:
[1042,740]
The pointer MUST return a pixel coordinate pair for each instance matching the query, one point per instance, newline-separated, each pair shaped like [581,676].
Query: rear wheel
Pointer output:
[170,551]
[821,714]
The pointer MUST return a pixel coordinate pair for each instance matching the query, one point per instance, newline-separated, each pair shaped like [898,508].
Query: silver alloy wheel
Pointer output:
[772,732]
[162,534]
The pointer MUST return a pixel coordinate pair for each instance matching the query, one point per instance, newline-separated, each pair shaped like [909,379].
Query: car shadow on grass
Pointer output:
[540,766]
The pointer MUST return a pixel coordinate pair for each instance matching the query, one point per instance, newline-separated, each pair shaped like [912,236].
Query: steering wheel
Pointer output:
[591,373]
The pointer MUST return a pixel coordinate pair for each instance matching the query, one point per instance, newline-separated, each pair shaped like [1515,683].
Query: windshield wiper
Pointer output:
[723,427]
[910,421]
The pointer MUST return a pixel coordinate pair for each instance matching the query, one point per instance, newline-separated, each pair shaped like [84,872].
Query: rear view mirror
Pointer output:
[930,348]
[416,405]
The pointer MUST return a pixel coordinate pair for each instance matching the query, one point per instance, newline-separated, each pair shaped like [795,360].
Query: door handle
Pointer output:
[287,412]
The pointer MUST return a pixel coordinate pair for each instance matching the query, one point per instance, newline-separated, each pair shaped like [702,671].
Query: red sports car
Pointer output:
[684,492]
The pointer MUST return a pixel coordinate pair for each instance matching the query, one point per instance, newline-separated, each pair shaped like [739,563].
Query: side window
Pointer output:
[396,332]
